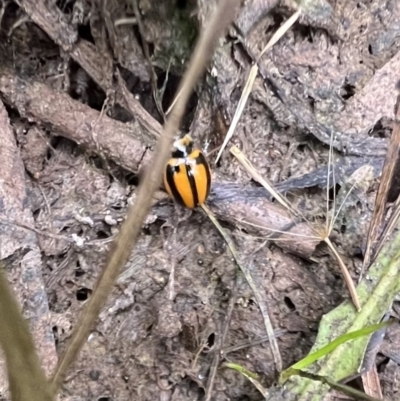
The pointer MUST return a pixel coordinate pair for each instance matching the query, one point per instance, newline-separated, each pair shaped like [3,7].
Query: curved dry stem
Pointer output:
[328,224]
[346,274]
[251,78]
[317,238]
[245,162]
[341,206]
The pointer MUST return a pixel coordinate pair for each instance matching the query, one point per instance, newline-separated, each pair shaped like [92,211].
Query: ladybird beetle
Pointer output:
[187,176]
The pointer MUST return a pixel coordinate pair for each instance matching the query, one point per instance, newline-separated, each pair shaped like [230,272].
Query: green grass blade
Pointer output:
[251,376]
[311,358]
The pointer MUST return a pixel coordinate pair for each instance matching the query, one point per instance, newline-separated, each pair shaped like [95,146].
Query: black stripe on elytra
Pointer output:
[200,159]
[171,171]
[192,182]
[180,154]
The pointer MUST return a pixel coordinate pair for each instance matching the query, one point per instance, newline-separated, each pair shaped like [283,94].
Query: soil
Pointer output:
[160,330]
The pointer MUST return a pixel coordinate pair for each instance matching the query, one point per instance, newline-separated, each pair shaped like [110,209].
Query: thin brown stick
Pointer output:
[50,18]
[248,344]
[214,364]
[152,126]
[369,375]
[384,185]
[389,227]
[345,273]
[127,237]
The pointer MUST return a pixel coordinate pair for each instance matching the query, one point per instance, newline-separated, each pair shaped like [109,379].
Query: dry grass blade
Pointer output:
[345,273]
[251,78]
[173,103]
[278,233]
[260,301]
[329,224]
[369,376]
[245,162]
[384,185]
[130,229]
[280,32]
[372,385]
[390,163]
[390,226]
[239,110]
[26,378]
[323,235]
[336,214]
[329,227]
[125,21]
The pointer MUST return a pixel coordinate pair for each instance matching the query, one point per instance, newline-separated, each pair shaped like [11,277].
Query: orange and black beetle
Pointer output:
[187,176]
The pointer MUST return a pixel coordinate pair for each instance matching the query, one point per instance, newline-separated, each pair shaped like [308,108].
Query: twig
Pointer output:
[246,344]
[214,364]
[345,273]
[73,119]
[123,245]
[153,76]
[36,231]
[152,126]
[50,18]
[389,227]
